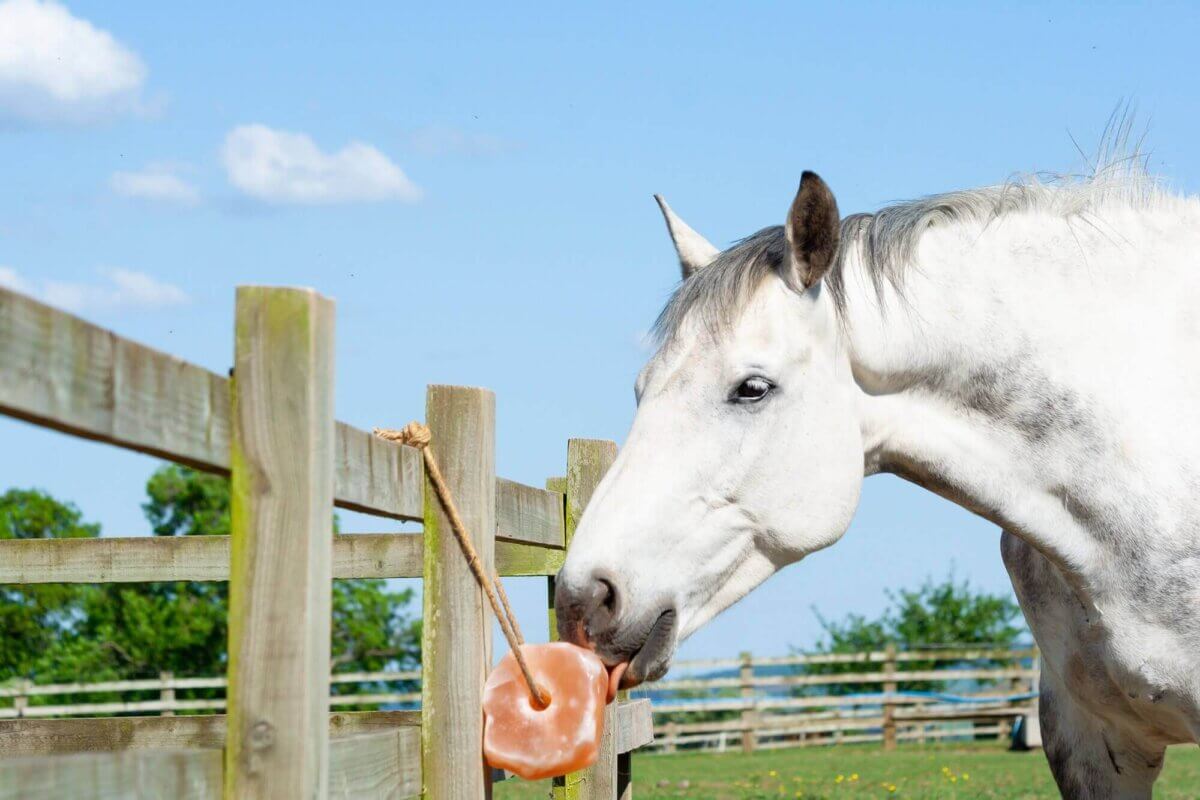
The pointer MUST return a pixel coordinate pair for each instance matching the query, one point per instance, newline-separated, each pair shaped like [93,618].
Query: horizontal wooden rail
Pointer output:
[382,764]
[876,656]
[158,684]
[34,734]
[526,514]
[372,754]
[138,559]
[214,704]
[634,725]
[60,372]
[40,737]
[688,684]
[764,703]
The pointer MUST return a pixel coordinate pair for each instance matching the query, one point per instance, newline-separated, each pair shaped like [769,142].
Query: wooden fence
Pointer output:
[793,701]
[270,427]
[761,708]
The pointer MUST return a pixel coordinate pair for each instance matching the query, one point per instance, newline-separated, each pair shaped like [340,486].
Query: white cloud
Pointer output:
[157,183]
[283,167]
[55,67]
[119,289]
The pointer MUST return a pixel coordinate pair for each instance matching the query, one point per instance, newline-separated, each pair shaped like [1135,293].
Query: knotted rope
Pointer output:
[419,436]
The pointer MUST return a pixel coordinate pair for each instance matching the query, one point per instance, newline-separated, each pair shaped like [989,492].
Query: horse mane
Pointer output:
[885,242]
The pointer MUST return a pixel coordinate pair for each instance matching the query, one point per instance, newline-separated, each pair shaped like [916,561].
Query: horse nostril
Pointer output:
[609,600]
[585,609]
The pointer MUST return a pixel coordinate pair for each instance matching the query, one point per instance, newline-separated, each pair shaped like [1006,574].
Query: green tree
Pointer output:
[371,628]
[936,614]
[34,620]
[137,630]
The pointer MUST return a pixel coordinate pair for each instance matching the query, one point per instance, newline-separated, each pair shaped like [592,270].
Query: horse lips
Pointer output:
[560,738]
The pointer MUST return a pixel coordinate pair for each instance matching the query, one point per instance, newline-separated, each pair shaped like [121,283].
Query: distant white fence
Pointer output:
[776,703]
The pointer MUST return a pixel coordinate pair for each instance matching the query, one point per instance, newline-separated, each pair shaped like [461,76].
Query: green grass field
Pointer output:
[862,771]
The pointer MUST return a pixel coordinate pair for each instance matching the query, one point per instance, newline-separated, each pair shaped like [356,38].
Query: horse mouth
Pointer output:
[652,659]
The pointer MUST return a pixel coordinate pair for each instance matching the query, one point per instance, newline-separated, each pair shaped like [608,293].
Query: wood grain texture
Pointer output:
[61,372]
[125,775]
[384,763]
[634,725]
[193,558]
[559,486]
[456,630]
[206,558]
[528,515]
[587,461]
[373,475]
[43,737]
[281,551]
[526,560]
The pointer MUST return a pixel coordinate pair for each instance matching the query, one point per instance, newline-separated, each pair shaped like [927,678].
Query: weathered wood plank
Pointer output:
[372,475]
[524,560]
[193,558]
[456,634]
[206,558]
[123,775]
[61,372]
[384,765]
[43,737]
[280,569]
[528,515]
[378,555]
[587,461]
[634,725]
[559,486]
[115,559]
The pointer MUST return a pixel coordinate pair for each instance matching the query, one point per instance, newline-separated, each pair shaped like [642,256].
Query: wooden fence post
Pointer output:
[570,786]
[889,690]
[167,694]
[587,461]
[280,575]
[21,701]
[749,714]
[456,634]
[1032,733]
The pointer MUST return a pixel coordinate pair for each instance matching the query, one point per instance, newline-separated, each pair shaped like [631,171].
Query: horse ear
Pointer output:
[813,228]
[695,252]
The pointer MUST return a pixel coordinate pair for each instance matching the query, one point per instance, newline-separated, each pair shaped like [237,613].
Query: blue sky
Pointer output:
[473,185]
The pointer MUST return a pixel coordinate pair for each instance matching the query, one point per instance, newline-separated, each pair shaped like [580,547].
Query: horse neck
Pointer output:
[977,384]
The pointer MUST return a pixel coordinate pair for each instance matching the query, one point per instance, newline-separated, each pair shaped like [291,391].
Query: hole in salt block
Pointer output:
[536,704]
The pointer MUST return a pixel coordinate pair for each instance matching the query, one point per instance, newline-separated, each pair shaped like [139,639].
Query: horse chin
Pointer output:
[653,658]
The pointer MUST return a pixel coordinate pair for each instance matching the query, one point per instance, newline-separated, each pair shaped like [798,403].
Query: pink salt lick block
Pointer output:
[564,736]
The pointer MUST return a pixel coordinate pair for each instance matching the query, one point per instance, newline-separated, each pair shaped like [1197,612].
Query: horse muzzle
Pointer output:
[591,614]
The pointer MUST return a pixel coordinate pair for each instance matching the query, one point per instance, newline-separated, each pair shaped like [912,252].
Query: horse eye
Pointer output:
[752,390]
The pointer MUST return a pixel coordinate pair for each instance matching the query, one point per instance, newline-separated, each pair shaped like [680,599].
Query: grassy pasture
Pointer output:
[954,772]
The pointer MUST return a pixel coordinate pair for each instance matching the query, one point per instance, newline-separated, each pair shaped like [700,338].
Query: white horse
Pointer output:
[1027,351]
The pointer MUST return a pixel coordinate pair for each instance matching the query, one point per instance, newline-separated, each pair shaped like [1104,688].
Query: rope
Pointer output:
[419,436]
